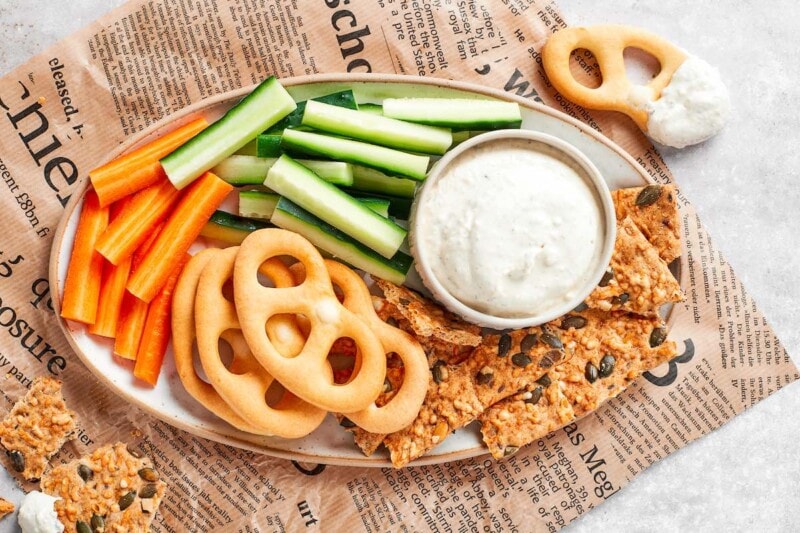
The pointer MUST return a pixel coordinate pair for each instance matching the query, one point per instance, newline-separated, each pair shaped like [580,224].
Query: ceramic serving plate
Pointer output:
[329,444]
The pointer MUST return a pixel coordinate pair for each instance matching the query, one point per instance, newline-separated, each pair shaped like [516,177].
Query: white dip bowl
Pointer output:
[512,229]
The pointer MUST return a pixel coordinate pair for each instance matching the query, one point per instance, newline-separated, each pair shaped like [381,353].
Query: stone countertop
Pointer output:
[744,185]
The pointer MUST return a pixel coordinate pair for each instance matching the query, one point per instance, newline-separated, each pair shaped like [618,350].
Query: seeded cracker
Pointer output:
[428,319]
[5,507]
[639,280]
[654,210]
[502,365]
[610,351]
[109,485]
[36,428]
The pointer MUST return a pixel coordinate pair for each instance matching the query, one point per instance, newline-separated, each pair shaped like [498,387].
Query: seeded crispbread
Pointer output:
[37,427]
[629,339]
[502,365]
[654,210]
[5,507]
[640,281]
[112,483]
[428,319]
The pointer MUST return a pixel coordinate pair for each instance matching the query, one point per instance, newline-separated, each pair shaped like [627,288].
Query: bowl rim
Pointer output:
[594,179]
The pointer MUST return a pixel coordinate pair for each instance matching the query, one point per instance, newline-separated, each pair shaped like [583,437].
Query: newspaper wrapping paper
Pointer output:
[65,109]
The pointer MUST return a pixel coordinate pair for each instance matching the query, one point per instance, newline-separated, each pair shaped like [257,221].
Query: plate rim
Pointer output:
[184,115]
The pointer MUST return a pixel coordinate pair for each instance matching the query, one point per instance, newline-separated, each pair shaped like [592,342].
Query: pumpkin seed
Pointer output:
[126,500]
[148,474]
[607,365]
[347,423]
[134,452]
[503,345]
[510,450]
[657,337]
[580,307]
[85,472]
[148,491]
[648,196]
[544,381]
[591,373]
[528,342]
[485,376]
[536,395]
[98,523]
[551,340]
[17,460]
[573,322]
[521,359]
[82,527]
[622,299]
[439,371]
[404,301]
[545,362]
[607,277]
[387,385]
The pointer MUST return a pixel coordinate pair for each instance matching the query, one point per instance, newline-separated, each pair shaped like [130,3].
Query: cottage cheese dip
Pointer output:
[512,227]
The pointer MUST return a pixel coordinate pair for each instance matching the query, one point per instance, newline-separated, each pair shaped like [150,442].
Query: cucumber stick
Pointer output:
[261,204]
[455,113]
[376,129]
[371,180]
[266,105]
[230,228]
[248,170]
[386,160]
[268,145]
[292,217]
[398,207]
[375,109]
[292,120]
[294,181]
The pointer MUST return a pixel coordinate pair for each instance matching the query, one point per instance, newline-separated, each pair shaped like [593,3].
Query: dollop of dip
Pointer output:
[693,107]
[511,228]
[37,514]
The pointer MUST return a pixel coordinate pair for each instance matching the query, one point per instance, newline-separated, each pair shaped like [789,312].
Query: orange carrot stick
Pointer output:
[112,288]
[197,204]
[82,286]
[146,209]
[133,312]
[140,168]
[157,329]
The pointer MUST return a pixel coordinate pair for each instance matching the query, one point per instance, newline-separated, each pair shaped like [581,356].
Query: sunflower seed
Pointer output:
[607,365]
[510,450]
[551,340]
[17,460]
[133,451]
[607,277]
[622,299]
[503,345]
[126,500]
[485,376]
[591,373]
[580,307]
[148,474]
[98,523]
[439,371]
[544,381]
[82,527]
[392,321]
[521,360]
[657,337]
[648,196]
[528,342]
[573,322]
[387,385]
[148,491]
[536,395]
[85,472]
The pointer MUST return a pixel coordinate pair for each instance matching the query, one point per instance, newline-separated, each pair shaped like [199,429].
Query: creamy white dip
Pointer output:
[37,514]
[512,228]
[693,107]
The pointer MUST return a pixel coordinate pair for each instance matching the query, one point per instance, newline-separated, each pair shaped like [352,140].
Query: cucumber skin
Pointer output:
[373,181]
[398,207]
[300,185]
[344,99]
[259,197]
[222,138]
[396,268]
[377,129]
[459,124]
[269,145]
[293,142]
[231,228]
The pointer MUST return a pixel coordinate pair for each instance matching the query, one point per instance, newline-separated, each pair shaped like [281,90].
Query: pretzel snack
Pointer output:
[608,42]
[306,374]
[245,384]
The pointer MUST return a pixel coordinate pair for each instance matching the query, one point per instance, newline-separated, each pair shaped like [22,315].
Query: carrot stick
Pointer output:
[195,207]
[157,329]
[128,231]
[133,312]
[112,288]
[82,286]
[139,169]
